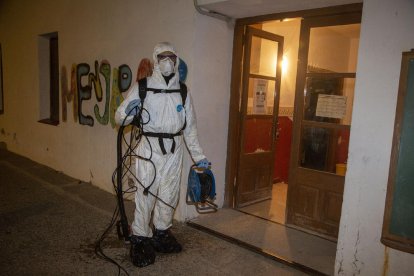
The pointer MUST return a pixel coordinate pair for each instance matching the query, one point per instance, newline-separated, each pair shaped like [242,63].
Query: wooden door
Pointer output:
[259,110]
[324,94]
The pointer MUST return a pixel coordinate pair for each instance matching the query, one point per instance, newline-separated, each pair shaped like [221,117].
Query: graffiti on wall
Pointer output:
[85,82]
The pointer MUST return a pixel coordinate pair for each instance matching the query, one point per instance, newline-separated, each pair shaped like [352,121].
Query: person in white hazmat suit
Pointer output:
[165,115]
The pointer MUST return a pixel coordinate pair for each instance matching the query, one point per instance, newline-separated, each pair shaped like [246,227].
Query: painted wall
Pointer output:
[119,36]
[210,71]
[386,32]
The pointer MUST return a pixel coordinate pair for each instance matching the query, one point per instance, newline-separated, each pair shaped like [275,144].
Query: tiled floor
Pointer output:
[261,227]
[273,209]
[311,254]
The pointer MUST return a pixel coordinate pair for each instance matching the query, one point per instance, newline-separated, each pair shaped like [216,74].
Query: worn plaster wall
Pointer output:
[386,31]
[116,34]
[212,48]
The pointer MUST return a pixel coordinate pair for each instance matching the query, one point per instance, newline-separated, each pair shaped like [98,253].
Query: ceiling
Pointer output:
[248,8]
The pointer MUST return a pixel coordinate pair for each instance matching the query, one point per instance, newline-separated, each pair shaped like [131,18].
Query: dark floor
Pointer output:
[49,223]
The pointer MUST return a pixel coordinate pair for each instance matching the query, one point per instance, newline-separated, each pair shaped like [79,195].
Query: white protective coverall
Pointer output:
[166,115]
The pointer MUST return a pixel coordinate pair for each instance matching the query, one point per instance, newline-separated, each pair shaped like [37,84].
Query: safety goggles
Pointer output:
[172,57]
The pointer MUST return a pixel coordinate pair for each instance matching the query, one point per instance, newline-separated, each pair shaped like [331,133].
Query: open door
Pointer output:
[259,113]
[324,96]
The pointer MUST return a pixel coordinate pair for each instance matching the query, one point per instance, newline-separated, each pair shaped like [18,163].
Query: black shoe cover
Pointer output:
[142,253]
[164,242]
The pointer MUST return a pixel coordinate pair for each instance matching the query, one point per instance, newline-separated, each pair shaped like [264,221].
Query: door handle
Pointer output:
[278,129]
[277,133]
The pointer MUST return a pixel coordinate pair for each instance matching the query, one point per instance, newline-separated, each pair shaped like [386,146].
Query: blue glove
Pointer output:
[203,163]
[131,109]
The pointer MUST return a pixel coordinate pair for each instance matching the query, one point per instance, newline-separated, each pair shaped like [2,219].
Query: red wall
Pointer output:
[282,153]
[258,136]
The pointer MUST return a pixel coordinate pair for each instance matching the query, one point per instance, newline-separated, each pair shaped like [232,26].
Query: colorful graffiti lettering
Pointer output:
[69,94]
[78,92]
[105,70]
[116,97]
[84,93]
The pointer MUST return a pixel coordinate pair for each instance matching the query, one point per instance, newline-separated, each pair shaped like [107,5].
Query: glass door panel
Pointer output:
[329,99]
[333,48]
[324,148]
[328,96]
[261,96]
[263,57]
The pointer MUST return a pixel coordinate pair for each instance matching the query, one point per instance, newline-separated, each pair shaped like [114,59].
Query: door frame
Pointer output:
[233,141]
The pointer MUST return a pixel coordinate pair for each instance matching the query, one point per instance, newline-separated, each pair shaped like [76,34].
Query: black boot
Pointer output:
[142,253]
[164,241]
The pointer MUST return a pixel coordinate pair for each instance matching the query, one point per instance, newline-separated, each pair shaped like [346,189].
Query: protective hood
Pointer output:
[158,49]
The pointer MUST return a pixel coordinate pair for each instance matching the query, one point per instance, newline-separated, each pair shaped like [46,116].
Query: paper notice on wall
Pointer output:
[259,97]
[331,106]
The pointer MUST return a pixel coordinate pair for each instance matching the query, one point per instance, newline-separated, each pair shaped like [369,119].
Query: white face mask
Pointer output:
[166,67]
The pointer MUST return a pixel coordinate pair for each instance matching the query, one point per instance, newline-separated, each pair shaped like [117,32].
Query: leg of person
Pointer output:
[168,191]
[142,252]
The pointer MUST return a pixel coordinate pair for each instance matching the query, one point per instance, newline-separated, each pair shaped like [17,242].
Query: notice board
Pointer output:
[398,226]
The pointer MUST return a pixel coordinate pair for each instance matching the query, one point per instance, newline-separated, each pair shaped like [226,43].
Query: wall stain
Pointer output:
[356,262]
[340,268]
[15,138]
[105,70]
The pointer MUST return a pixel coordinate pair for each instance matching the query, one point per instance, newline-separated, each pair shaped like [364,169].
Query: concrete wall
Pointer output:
[386,31]
[118,33]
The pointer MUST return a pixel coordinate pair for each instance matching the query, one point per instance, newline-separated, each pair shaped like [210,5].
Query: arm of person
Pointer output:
[125,112]
[190,132]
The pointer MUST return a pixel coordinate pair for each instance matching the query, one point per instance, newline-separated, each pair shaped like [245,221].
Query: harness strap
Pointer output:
[142,84]
[162,136]
[156,90]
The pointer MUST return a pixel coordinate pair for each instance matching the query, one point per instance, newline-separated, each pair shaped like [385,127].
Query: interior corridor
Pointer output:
[272,209]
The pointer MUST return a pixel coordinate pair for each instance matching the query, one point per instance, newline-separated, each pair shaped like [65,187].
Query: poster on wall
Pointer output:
[1,83]
[259,97]
[331,106]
